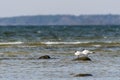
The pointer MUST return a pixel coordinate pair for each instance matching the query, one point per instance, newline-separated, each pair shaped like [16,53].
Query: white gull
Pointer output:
[84,52]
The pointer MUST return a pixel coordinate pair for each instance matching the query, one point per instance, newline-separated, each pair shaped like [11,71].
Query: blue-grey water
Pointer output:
[21,46]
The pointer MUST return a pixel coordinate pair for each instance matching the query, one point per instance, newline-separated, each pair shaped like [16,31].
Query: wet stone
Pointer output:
[83,75]
[82,59]
[44,57]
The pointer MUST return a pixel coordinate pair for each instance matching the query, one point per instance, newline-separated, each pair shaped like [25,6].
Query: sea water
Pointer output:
[21,46]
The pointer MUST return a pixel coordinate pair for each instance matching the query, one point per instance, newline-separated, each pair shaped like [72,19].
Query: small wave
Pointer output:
[96,44]
[10,43]
[38,31]
[56,43]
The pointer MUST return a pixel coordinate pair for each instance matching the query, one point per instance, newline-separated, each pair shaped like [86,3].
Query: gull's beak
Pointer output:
[92,52]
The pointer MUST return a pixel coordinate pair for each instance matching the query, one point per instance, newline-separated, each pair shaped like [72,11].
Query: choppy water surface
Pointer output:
[20,46]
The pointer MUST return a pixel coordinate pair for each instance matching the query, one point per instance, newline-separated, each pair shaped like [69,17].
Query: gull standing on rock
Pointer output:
[84,52]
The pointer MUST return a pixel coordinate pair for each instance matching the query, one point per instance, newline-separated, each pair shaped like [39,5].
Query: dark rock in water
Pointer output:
[82,59]
[83,75]
[44,57]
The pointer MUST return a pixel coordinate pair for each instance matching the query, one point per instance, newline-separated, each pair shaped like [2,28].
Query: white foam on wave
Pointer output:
[10,43]
[38,31]
[50,43]
[97,46]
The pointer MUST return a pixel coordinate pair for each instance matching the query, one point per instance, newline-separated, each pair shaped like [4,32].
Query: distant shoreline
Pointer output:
[39,20]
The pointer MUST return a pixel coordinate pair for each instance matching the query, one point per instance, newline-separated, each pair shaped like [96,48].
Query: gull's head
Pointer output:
[77,53]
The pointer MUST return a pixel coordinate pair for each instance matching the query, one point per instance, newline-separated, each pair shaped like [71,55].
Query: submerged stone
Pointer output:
[44,57]
[83,75]
[82,59]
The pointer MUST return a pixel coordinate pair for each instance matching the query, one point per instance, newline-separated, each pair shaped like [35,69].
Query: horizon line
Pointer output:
[57,15]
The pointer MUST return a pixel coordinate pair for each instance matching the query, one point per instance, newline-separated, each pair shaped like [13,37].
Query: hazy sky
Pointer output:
[44,7]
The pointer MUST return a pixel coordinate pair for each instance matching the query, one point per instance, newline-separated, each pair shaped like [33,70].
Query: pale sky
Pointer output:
[10,8]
